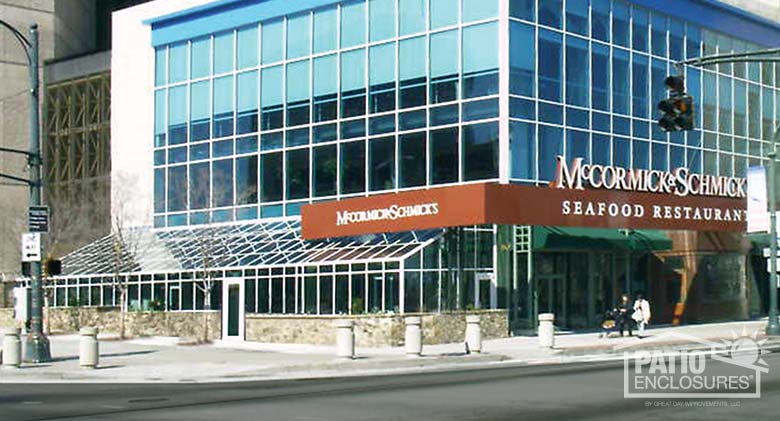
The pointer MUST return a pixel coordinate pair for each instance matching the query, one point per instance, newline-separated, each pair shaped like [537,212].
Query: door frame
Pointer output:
[226,284]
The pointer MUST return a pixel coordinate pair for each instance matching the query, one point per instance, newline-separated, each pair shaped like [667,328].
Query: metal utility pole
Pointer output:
[761,56]
[772,326]
[36,344]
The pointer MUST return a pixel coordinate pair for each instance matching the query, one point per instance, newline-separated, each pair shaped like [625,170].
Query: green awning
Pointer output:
[574,238]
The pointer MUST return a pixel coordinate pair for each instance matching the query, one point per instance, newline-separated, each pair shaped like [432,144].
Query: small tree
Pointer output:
[205,277]
[125,242]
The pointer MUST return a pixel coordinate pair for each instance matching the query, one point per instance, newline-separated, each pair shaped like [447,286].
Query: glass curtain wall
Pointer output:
[601,69]
[358,97]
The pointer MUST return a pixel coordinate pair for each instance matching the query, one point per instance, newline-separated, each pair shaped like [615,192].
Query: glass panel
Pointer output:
[550,12]
[298,93]
[159,190]
[353,24]
[550,146]
[247,47]
[297,174]
[200,182]
[577,17]
[298,36]
[480,65]
[177,115]
[600,77]
[325,170]
[325,33]
[177,64]
[223,106]
[577,145]
[382,77]
[247,99]
[599,15]
[658,35]
[353,167]
[412,72]
[523,9]
[444,67]
[550,65]
[412,16]
[521,58]
[160,66]
[444,13]
[576,71]
[639,29]
[412,160]
[640,85]
[246,180]
[353,102]
[271,177]
[479,9]
[223,53]
[522,144]
[620,28]
[620,94]
[273,41]
[271,98]
[200,120]
[222,182]
[381,19]
[325,91]
[444,156]
[177,188]
[201,58]
[381,163]
[480,151]
[160,111]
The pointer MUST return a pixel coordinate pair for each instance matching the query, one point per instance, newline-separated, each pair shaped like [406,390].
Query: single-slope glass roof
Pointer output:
[276,243]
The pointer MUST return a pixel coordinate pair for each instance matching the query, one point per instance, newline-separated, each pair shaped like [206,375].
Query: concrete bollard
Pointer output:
[413,336]
[473,333]
[12,348]
[345,338]
[546,330]
[88,347]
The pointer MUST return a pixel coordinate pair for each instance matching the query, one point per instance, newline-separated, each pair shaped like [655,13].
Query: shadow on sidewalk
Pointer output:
[115,354]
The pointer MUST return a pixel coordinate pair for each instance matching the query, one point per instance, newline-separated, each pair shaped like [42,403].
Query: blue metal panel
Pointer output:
[226,14]
[720,17]
[222,15]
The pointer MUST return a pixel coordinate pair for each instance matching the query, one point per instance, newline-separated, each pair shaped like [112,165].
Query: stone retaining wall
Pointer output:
[137,323]
[373,330]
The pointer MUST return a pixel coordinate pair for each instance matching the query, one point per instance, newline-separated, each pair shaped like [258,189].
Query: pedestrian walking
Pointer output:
[623,316]
[641,313]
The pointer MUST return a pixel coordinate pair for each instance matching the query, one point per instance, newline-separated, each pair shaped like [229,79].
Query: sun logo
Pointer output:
[744,350]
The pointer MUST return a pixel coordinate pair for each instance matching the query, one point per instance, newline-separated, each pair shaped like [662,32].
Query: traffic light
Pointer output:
[678,108]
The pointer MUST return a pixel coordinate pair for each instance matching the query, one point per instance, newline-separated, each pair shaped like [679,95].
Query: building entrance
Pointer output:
[233,310]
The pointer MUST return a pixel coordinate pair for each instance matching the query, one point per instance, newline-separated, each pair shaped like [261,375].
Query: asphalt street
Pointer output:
[571,391]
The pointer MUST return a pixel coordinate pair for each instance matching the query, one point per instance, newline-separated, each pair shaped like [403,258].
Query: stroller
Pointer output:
[609,323]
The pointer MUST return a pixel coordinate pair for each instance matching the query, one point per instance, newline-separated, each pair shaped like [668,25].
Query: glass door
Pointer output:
[233,310]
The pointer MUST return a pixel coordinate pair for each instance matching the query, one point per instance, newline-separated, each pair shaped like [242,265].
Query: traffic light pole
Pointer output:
[773,324]
[36,344]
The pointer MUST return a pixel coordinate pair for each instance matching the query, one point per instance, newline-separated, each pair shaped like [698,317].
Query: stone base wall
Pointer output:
[137,323]
[370,330]
[7,318]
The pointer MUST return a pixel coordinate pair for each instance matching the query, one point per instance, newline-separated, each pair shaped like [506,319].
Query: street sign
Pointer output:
[31,247]
[38,219]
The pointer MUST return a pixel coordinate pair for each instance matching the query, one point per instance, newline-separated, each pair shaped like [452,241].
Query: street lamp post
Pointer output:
[36,345]
[772,326]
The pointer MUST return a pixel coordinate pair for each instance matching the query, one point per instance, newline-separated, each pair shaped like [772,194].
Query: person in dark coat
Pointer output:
[624,311]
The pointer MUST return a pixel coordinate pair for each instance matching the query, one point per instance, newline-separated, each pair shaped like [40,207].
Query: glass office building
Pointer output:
[261,107]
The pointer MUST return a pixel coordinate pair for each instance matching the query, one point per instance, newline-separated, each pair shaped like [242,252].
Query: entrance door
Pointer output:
[550,297]
[233,310]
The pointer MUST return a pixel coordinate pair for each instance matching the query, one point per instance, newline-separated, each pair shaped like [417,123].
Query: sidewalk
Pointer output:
[164,360]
